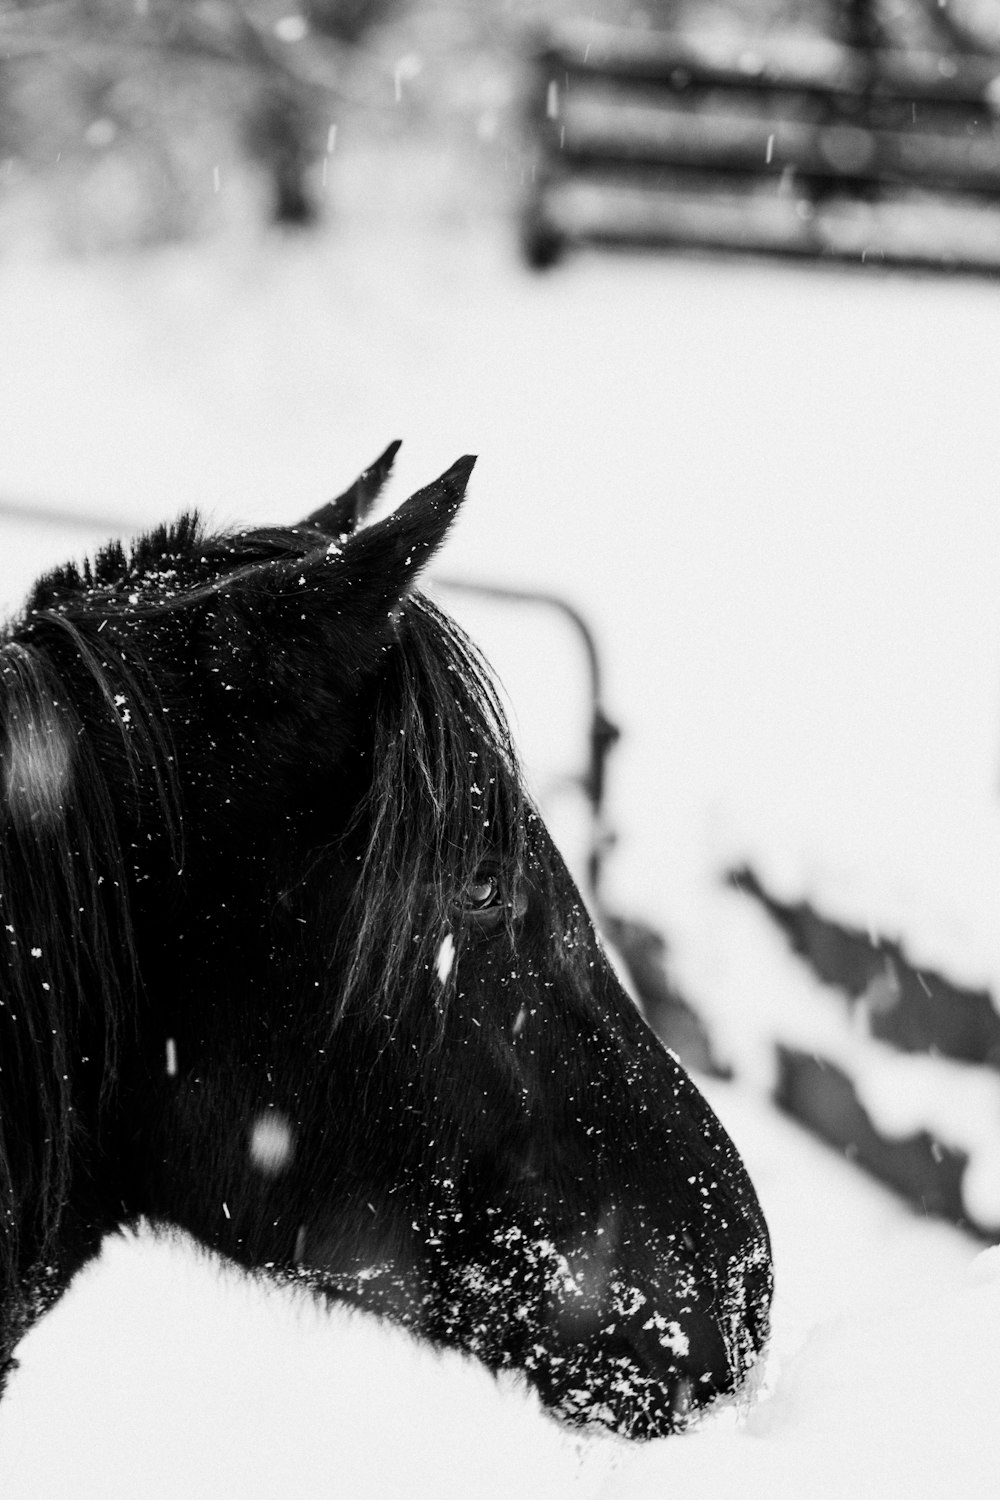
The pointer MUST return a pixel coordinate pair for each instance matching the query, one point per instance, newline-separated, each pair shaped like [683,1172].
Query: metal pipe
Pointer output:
[603,731]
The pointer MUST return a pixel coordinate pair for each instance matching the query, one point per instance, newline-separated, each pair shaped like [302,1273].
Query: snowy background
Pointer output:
[773,494]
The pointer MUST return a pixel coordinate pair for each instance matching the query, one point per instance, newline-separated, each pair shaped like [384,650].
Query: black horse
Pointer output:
[289,961]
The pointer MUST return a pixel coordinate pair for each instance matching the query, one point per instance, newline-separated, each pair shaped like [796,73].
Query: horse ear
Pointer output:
[274,629]
[340,517]
[383,561]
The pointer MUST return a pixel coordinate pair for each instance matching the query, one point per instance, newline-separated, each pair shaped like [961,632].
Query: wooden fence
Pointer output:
[806,149]
[912,1010]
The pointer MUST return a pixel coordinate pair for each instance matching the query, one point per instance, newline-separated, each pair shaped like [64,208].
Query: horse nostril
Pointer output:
[582,1293]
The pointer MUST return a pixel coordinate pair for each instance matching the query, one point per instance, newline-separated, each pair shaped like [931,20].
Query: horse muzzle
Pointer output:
[641,1349]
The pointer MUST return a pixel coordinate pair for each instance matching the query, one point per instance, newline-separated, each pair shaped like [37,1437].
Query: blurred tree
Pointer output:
[141,115]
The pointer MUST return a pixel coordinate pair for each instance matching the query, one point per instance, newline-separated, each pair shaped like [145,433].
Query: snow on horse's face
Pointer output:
[294,965]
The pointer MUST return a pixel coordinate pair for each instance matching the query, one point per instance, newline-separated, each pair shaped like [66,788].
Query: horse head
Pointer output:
[293,964]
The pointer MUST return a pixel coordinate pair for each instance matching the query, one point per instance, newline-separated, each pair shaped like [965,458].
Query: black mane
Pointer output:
[445,798]
[68,977]
[445,794]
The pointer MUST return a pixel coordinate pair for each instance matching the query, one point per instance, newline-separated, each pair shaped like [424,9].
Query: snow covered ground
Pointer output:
[163,1375]
[773,492]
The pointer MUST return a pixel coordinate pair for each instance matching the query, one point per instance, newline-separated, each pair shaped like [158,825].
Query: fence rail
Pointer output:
[823,150]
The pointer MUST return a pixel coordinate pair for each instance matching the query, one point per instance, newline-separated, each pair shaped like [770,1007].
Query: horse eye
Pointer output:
[483,894]
[483,902]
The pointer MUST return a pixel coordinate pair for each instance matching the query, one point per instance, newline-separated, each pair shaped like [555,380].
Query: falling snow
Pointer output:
[445,958]
[272,1143]
[37,766]
[807,532]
